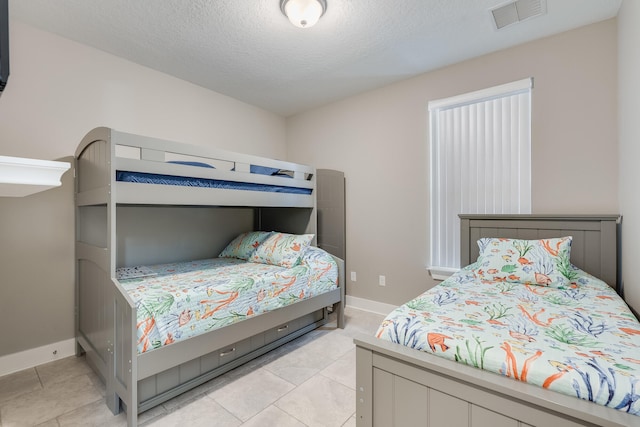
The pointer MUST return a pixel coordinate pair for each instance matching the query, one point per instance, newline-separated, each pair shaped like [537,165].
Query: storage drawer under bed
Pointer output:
[169,382]
[285,329]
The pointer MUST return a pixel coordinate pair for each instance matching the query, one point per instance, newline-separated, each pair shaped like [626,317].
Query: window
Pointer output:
[480,163]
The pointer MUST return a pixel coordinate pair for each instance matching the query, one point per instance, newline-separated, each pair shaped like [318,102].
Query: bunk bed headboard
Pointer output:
[595,238]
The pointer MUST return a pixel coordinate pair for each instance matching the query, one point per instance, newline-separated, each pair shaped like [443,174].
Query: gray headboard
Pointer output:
[595,238]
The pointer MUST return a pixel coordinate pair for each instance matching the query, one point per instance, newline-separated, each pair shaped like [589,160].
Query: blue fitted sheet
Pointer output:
[150,178]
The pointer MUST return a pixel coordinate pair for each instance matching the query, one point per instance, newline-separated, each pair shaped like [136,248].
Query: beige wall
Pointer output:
[629,114]
[59,90]
[380,139]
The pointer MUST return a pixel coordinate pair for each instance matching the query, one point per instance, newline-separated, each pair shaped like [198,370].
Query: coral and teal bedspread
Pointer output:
[581,340]
[181,300]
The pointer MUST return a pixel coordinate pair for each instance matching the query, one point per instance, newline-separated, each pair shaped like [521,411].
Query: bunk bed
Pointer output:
[148,209]
[432,362]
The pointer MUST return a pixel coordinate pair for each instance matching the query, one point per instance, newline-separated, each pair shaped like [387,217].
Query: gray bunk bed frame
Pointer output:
[399,386]
[106,315]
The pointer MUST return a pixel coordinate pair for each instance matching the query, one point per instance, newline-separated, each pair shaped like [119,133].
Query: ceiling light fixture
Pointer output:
[303,13]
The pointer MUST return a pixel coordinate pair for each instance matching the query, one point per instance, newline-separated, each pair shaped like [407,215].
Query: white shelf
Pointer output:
[21,177]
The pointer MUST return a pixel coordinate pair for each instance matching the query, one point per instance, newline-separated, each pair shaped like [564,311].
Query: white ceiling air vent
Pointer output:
[518,11]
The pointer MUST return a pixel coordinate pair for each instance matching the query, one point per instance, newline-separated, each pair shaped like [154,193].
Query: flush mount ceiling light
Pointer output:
[303,13]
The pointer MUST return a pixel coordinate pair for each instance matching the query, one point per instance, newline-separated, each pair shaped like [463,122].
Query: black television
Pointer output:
[4,43]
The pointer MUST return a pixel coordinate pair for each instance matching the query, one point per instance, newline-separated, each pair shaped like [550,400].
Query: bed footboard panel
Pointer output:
[105,330]
[397,387]
[95,320]
[403,394]
[124,386]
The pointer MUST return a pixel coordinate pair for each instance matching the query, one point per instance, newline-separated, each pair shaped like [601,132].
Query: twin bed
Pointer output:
[191,261]
[523,311]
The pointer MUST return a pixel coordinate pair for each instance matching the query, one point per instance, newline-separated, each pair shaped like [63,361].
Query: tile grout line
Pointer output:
[39,379]
[71,411]
[347,420]
[265,370]
[287,412]
[282,378]
[207,396]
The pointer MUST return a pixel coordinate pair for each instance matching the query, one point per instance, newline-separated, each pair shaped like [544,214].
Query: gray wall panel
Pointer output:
[383,398]
[447,410]
[189,370]
[153,235]
[146,389]
[92,225]
[484,418]
[331,212]
[410,403]
[288,220]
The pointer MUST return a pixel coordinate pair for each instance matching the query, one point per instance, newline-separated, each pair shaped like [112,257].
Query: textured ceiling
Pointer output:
[248,50]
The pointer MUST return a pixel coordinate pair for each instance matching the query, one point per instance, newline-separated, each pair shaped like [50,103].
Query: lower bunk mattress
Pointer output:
[177,301]
[580,340]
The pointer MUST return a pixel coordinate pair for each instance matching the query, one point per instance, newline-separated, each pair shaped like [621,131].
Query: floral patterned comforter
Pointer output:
[181,300]
[582,340]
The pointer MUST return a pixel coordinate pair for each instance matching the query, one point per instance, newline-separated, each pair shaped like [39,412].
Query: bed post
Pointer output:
[464,242]
[111,397]
[339,306]
[364,387]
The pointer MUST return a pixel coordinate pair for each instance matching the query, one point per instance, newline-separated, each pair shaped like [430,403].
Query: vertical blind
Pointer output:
[480,163]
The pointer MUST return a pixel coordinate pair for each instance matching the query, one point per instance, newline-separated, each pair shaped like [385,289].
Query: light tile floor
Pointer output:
[307,382]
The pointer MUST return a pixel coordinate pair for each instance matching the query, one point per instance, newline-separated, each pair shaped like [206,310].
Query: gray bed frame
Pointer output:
[122,224]
[399,386]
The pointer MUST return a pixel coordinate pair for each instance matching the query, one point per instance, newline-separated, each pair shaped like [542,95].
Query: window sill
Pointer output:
[441,273]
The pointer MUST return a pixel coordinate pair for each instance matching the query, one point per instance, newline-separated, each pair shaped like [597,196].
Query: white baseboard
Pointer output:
[369,305]
[36,356]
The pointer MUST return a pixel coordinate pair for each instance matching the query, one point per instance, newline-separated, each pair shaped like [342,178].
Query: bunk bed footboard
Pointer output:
[164,373]
[136,383]
[124,385]
[106,333]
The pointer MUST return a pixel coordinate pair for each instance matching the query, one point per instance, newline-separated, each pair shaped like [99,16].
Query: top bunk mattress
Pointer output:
[580,340]
[150,178]
[177,301]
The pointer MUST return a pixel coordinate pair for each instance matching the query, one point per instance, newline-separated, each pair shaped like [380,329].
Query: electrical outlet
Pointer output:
[382,281]
[353,276]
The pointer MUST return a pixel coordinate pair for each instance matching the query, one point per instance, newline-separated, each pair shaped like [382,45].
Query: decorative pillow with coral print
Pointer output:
[282,249]
[243,246]
[542,262]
